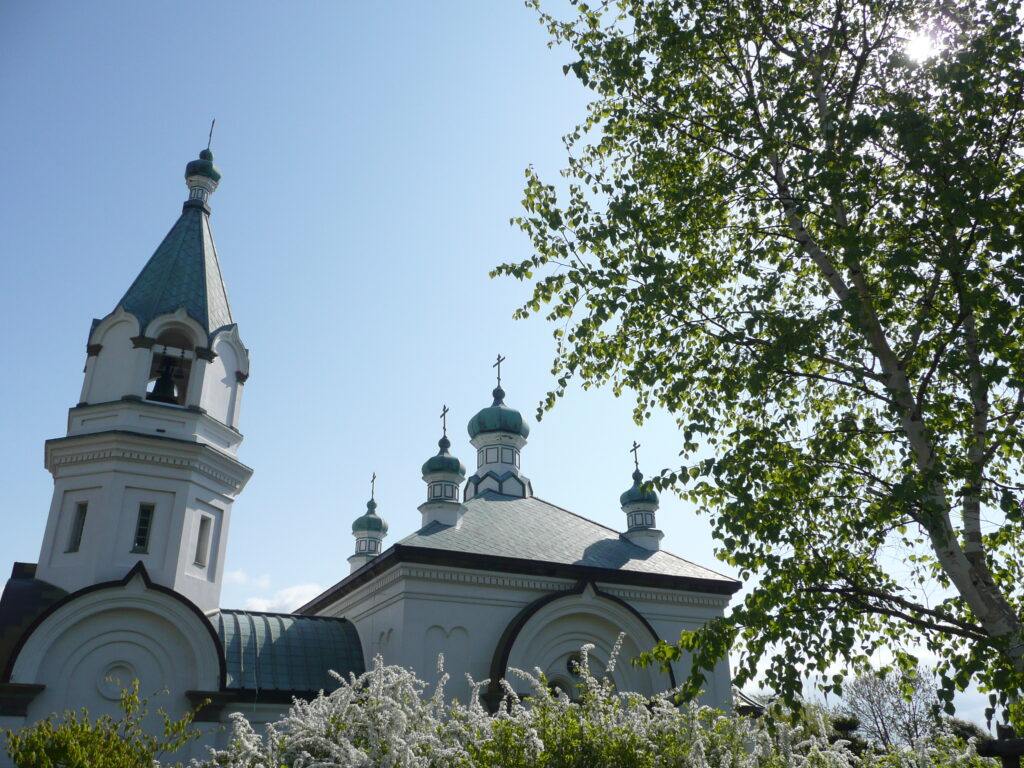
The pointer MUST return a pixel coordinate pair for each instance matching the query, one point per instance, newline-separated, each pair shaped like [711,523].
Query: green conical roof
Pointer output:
[370,522]
[498,417]
[183,272]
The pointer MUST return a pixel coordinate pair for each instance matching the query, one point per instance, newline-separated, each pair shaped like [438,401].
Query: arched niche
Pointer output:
[111,362]
[549,634]
[97,640]
[223,376]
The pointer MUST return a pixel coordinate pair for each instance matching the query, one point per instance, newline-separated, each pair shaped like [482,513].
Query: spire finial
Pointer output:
[209,140]
[497,365]
[636,459]
[444,420]
[373,486]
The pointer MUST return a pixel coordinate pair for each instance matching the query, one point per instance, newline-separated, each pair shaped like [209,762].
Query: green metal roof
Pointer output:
[639,493]
[283,652]
[203,166]
[444,461]
[370,521]
[183,272]
[498,417]
[532,529]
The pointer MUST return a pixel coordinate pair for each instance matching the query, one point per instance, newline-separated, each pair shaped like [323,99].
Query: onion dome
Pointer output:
[444,461]
[370,522]
[639,494]
[203,166]
[498,417]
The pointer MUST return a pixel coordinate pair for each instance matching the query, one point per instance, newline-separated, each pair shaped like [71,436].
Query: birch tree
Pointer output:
[805,243]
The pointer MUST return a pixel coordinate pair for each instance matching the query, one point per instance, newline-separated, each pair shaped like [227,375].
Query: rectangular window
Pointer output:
[361,545]
[492,455]
[203,541]
[506,455]
[77,526]
[143,527]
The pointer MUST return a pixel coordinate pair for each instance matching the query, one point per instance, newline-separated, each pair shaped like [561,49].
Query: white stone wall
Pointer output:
[412,612]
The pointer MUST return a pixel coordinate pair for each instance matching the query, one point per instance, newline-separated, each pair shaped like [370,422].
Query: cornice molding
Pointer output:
[70,455]
[659,596]
[484,578]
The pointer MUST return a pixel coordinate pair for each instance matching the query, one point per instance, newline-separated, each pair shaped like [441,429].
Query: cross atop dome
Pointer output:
[640,503]
[499,434]
[444,475]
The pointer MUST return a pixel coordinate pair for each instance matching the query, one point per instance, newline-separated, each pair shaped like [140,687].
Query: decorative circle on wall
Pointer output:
[573,664]
[115,677]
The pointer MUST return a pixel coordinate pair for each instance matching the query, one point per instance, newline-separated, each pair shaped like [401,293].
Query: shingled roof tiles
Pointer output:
[182,272]
[533,529]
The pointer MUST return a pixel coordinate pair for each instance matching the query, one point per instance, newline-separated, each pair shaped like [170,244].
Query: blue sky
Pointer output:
[372,156]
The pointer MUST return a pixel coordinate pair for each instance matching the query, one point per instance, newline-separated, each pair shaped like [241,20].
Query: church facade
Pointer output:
[128,581]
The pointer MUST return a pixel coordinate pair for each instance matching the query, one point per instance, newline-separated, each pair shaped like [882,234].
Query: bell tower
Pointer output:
[148,471]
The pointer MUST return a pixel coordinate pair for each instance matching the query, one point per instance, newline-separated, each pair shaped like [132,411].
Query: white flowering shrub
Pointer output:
[385,718]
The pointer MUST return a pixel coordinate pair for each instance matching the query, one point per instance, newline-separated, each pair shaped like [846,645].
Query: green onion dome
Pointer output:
[444,461]
[370,522]
[638,494]
[498,418]
[203,166]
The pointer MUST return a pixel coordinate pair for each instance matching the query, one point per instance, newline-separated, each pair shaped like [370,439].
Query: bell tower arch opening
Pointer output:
[171,367]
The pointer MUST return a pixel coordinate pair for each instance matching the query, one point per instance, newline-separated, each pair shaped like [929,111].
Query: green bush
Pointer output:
[77,741]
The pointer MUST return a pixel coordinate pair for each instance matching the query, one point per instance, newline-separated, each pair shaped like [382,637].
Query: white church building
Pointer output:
[129,575]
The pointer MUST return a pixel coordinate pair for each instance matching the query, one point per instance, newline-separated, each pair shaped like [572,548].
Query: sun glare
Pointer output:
[921,46]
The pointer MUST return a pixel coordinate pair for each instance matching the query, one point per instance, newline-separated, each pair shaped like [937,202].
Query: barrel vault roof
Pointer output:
[285,652]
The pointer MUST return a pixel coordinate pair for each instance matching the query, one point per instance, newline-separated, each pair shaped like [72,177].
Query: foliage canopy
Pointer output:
[806,245]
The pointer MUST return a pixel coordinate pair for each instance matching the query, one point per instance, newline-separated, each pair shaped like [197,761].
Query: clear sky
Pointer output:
[372,154]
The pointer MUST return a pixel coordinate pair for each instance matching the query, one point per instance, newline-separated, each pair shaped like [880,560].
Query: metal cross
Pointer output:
[498,366]
[209,141]
[636,459]
[373,485]
[444,419]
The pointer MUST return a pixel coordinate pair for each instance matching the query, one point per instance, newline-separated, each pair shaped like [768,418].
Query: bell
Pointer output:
[163,389]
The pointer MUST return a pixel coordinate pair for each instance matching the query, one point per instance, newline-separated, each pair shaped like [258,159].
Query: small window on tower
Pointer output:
[77,526]
[203,541]
[143,527]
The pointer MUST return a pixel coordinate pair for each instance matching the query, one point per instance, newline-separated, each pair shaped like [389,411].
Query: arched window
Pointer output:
[171,367]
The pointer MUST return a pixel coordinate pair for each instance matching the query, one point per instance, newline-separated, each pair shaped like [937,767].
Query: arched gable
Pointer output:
[548,632]
[121,630]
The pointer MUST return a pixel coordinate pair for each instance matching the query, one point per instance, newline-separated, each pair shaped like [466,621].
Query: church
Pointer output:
[128,581]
